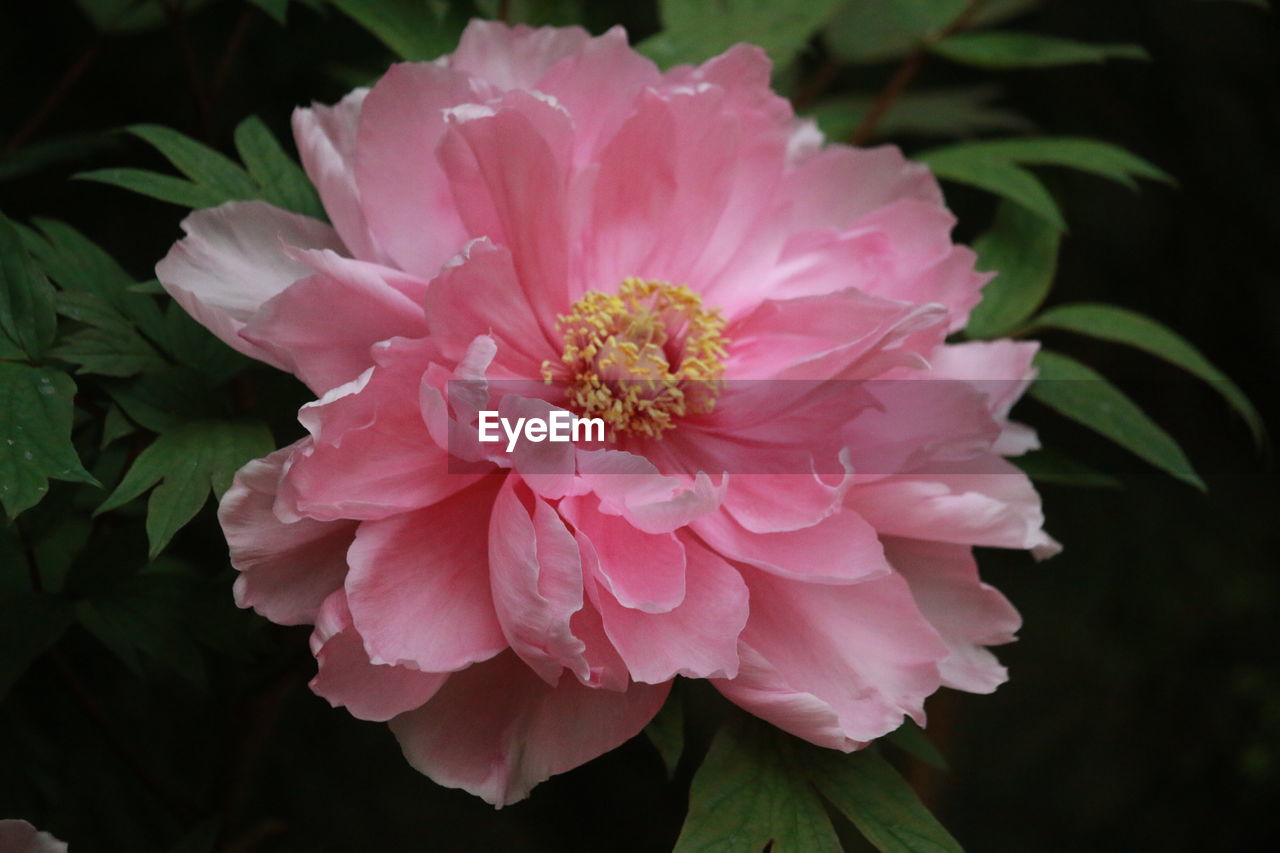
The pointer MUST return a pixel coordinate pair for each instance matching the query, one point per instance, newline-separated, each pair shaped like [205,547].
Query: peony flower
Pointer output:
[545,221]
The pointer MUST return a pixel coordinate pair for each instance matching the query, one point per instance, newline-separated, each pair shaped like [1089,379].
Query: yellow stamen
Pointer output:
[619,350]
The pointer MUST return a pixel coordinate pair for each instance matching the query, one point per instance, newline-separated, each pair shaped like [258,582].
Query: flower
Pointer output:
[19,836]
[543,220]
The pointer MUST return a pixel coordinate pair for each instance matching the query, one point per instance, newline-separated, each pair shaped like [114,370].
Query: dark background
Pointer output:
[1144,706]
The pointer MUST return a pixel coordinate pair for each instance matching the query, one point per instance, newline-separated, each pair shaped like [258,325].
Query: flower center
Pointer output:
[641,358]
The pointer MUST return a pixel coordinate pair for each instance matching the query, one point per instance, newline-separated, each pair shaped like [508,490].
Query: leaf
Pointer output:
[108,352]
[275,8]
[1122,326]
[282,181]
[30,623]
[867,790]
[695,30]
[187,462]
[1022,249]
[666,732]
[199,162]
[115,425]
[35,435]
[1004,50]
[995,174]
[155,185]
[27,314]
[869,31]
[411,28]
[958,111]
[162,399]
[911,739]
[196,347]
[35,156]
[122,16]
[1083,395]
[750,793]
[1087,155]
[1047,466]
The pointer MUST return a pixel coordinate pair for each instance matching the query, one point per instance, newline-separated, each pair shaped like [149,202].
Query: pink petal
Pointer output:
[629,485]
[347,678]
[19,836]
[698,639]
[863,650]
[496,730]
[535,573]
[286,570]
[839,185]
[514,57]
[233,260]
[969,614]
[419,585]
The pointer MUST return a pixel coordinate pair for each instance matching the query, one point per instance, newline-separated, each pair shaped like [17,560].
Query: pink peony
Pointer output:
[547,207]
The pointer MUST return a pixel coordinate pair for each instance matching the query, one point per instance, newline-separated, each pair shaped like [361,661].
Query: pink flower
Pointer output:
[546,207]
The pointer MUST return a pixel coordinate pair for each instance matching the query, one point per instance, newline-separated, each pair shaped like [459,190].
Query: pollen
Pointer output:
[642,358]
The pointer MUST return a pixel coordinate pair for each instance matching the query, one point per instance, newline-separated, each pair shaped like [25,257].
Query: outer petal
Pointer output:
[969,614]
[863,650]
[286,570]
[419,585]
[834,188]
[514,57]
[233,260]
[496,729]
[347,678]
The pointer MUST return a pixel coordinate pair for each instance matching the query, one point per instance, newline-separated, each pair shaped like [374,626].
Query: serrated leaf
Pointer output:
[187,463]
[27,314]
[155,185]
[35,435]
[1004,50]
[749,793]
[282,181]
[206,167]
[29,624]
[411,28]
[1080,393]
[959,111]
[995,174]
[1021,248]
[867,790]
[1120,325]
[666,732]
[911,739]
[694,30]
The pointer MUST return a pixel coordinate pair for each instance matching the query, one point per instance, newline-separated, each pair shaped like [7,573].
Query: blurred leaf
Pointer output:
[1120,325]
[960,111]
[27,317]
[277,9]
[414,29]
[751,793]
[666,732]
[1087,155]
[123,16]
[1004,50]
[1083,395]
[867,790]
[1022,249]
[695,30]
[187,462]
[162,399]
[282,180]
[869,31]
[30,623]
[38,155]
[1047,466]
[35,435]
[155,185]
[913,740]
[994,173]
[92,310]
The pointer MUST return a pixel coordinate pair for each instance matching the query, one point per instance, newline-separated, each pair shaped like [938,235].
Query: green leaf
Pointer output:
[1022,249]
[959,111]
[155,185]
[29,624]
[27,315]
[413,29]
[35,156]
[115,425]
[282,180]
[1087,155]
[867,790]
[199,162]
[911,739]
[196,347]
[35,435]
[1120,325]
[1047,466]
[123,16]
[1004,50]
[996,174]
[275,8]
[695,30]
[108,352]
[870,31]
[187,462]
[666,732]
[750,793]
[1083,395]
